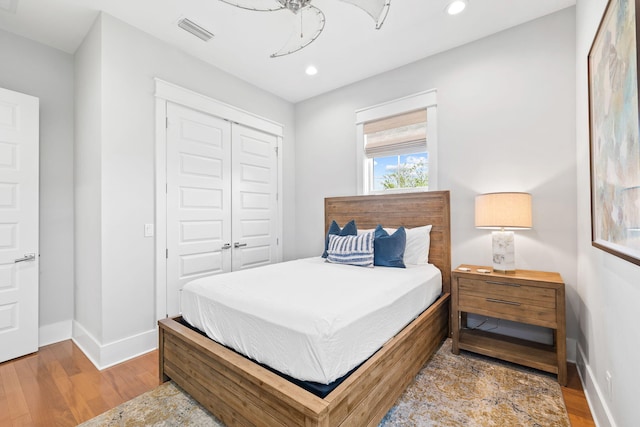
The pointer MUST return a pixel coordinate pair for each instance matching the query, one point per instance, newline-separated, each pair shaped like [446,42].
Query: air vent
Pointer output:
[195,29]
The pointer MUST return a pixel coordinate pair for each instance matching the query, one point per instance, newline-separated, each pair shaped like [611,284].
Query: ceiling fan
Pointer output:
[311,19]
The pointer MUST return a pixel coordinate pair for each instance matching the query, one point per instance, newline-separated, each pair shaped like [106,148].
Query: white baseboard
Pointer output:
[571,350]
[55,332]
[87,343]
[128,348]
[106,355]
[595,398]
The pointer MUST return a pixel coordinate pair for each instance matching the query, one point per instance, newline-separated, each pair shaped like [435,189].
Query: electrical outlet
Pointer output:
[148,230]
[609,385]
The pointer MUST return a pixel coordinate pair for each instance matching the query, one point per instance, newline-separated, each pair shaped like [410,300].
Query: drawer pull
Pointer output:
[515,285]
[499,301]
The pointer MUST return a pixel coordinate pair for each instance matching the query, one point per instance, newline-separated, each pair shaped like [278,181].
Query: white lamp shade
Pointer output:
[504,210]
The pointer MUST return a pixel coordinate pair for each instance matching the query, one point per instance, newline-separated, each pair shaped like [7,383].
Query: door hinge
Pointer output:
[167,253]
[166,122]
[277,150]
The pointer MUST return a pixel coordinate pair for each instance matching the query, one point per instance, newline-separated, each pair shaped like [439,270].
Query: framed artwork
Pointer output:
[615,132]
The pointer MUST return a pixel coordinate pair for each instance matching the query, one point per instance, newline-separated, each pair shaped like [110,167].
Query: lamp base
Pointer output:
[504,258]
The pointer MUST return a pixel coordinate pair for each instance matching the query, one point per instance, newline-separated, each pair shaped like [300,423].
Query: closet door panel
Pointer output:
[198,198]
[19,222]
[255,197]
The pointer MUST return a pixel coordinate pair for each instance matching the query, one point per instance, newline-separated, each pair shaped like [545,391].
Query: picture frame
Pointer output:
[614,132]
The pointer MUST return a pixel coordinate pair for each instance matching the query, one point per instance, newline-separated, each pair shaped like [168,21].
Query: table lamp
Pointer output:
[504,212]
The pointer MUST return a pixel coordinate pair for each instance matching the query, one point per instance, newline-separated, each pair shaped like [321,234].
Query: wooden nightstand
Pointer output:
[531,297]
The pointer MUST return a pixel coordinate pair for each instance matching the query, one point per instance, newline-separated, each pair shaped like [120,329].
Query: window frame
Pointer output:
[423,100]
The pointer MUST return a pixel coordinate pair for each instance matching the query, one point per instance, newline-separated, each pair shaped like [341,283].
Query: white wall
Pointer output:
[87,183]
[506,121]
[47,73]
[130,60]
[608,287]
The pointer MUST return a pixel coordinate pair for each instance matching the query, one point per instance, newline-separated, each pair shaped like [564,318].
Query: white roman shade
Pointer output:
[402,134]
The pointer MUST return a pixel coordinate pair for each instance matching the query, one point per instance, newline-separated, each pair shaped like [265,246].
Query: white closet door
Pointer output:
[19,159]
[255,197]
[198,199]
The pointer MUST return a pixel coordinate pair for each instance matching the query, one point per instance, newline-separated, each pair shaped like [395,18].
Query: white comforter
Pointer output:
[309,319]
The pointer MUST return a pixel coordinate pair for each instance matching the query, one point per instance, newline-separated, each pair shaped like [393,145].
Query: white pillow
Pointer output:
[417,249]
[371,230]
[368,230]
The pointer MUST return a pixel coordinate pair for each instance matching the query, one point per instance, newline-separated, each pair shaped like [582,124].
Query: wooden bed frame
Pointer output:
[241,392]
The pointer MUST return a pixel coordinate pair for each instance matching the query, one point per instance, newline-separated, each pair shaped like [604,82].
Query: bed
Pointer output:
[242,392]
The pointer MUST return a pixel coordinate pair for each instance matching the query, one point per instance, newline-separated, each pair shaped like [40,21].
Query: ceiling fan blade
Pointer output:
[256,5]
[377,9]
[309,24]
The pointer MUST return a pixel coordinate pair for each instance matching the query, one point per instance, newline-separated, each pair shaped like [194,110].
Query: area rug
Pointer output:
[462,390]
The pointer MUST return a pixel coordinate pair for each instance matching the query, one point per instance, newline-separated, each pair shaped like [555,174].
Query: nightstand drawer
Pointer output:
[509,309]
[505,290]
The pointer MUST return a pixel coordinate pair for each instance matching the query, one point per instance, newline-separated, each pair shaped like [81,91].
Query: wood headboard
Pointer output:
[395,210]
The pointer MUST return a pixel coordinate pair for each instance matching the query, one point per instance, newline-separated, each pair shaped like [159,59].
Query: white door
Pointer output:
[198,199]
[255,197]
[19,151]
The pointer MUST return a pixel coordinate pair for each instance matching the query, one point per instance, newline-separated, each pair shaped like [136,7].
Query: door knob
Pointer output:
[239,245]
[26,257]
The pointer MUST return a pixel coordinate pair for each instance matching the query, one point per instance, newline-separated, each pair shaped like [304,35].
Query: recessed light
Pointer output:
[311,70]
[456,6]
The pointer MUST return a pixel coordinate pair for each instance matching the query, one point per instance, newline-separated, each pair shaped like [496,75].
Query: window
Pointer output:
[396,151]
[399,172]
[397,145]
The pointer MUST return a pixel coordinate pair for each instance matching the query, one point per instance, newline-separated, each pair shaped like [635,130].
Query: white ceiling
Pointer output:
[348,50]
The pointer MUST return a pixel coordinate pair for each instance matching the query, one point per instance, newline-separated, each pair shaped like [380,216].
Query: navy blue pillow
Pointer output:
[349,229]
[388,250]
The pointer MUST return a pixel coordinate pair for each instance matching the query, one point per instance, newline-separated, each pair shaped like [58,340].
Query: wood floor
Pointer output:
[59,386]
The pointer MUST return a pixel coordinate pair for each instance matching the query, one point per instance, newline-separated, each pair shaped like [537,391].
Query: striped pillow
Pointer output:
[353,250]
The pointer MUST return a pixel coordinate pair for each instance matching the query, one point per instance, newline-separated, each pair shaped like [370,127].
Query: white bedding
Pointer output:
[309,319]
